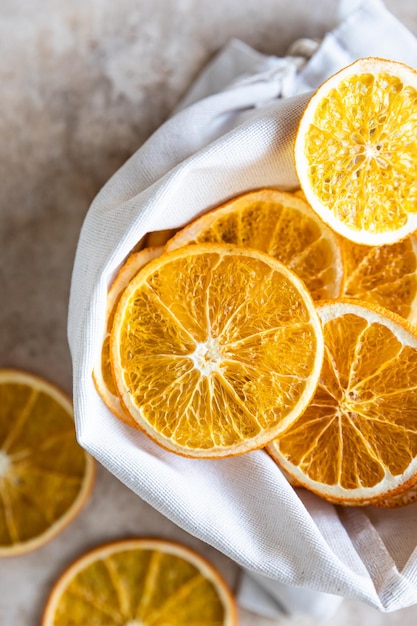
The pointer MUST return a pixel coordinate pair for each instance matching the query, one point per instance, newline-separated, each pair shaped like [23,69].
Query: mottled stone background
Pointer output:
[83,84]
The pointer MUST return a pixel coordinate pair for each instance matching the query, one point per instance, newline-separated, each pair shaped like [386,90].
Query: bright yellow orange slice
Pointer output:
[384,275]
[356,151]
[281,224]
[215,349]
[141,582]
[357,441]
[102,373]
[45,476]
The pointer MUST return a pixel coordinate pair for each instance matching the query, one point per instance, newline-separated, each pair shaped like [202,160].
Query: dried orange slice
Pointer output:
[102,373]
[384,275]
[356,151]
[45,476]
[281,224]
[357,441]
[141,582]
[215,349]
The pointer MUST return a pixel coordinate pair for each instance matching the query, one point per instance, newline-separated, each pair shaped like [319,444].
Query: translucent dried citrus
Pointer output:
[140,582]
[102,373]
[215,349]
[357,440]
[281,224]
[356,151]
[384,275]
[45,476]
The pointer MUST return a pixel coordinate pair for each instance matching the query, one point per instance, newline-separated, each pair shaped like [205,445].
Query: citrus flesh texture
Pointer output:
[281,224]
[102,373]
[215,349]
[45,476]
[384,275]
[140,582]
[357,441]
[356,151]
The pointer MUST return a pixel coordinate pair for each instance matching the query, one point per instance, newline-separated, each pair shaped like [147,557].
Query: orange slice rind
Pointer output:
[403,498]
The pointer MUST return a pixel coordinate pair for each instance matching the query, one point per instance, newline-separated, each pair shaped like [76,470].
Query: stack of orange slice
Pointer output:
[199,334]
[285,320]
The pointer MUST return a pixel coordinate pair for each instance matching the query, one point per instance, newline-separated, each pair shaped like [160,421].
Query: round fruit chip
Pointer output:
[356,151]
[215,349]
[357,441]
[141,582]
[281,224]
[45,476]
[102,374]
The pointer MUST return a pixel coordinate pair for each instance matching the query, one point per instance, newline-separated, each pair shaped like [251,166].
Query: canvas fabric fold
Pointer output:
[234,131]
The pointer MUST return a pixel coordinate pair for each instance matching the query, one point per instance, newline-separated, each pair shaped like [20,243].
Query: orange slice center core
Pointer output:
[207,356]
[364,150]
[345,401]
[349,403]
[371,150]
